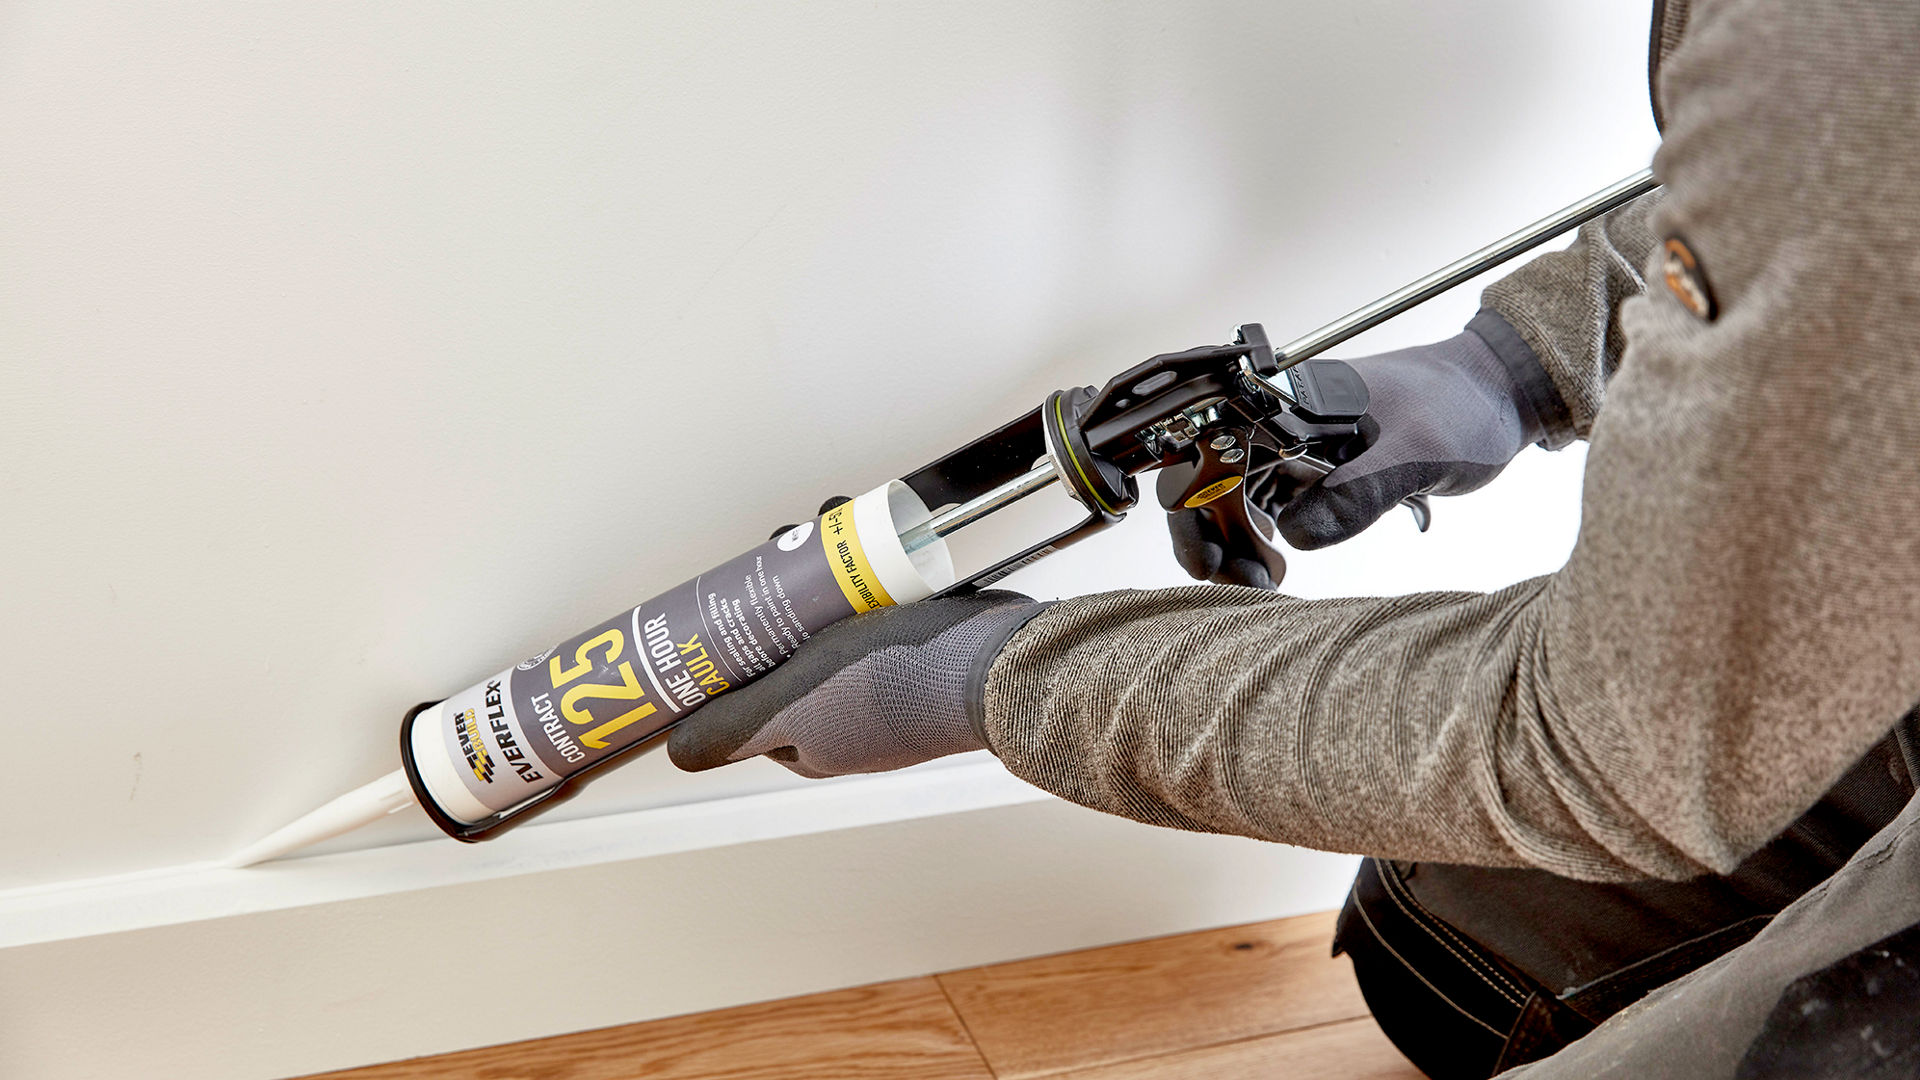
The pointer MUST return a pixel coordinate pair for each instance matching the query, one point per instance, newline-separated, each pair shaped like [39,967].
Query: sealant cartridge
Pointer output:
[491,754]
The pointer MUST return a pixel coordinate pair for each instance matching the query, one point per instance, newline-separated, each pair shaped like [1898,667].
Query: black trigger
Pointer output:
[1422,511]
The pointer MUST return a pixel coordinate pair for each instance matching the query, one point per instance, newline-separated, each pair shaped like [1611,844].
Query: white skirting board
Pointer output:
[367,956]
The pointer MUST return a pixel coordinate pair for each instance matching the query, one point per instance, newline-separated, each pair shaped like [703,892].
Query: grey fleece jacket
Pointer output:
[1740,618]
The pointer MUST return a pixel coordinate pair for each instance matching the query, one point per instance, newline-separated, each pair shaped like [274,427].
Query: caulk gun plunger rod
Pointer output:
[954,518]
[363,805]
[1464,269]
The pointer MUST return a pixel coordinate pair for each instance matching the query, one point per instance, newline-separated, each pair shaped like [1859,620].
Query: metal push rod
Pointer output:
[1472,266]
[955,518]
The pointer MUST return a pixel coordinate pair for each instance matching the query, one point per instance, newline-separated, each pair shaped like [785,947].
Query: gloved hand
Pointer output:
[1442,419]
[882,690]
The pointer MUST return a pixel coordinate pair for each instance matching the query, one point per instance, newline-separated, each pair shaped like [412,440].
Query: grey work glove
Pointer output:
[882,690]
[1442,419]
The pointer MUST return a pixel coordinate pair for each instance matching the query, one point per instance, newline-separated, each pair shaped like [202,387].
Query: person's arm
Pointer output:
[1740,618]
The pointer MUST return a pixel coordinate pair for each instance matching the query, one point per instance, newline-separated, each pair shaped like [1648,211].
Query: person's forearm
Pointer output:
[1407,726]
[1564,309]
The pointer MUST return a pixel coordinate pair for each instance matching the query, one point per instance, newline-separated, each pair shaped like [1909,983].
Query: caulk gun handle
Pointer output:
[1213,488]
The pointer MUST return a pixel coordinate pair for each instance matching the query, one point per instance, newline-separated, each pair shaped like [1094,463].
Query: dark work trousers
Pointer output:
[1471,971]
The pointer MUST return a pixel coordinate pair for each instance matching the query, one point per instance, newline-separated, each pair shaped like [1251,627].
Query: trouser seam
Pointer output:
[1515,995]
[1437,992]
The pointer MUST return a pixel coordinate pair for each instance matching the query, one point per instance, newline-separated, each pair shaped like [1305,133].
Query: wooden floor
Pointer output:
[1251,1001]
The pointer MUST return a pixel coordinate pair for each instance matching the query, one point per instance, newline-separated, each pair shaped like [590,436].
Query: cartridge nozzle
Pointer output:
[361,806]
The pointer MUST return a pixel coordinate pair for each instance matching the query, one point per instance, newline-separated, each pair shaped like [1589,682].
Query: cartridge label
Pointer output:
[640,672]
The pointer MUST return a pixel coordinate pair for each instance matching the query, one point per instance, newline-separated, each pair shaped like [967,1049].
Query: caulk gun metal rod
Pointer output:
[1472,266]
[955,518]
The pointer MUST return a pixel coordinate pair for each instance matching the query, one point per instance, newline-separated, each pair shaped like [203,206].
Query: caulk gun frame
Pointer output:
[1147,417]
[1096,440]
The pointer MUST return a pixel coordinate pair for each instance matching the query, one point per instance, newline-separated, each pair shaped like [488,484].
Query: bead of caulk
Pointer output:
[362,806]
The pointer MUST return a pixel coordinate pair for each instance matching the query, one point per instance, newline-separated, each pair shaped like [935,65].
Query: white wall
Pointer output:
[349,352]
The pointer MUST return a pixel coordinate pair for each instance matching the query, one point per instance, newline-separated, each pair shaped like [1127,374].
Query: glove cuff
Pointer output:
[1544,415]
[1011,618]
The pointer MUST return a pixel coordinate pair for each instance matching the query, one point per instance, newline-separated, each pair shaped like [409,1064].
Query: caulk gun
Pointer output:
[1210,420]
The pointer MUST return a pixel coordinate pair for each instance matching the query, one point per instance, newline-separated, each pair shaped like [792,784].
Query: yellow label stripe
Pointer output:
[851,570]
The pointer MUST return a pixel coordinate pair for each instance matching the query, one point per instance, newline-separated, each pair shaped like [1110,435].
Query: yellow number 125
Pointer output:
[628,689]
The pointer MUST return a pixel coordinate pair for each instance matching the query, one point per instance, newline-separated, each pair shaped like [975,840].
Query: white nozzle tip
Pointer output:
[257,852]
[361,806]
